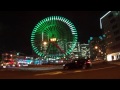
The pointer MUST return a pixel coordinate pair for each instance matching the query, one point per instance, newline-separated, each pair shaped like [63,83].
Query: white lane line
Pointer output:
[99,68]
[78,71]
[59,72]
[117,63]
[2,70]
[89,70]
[50,73]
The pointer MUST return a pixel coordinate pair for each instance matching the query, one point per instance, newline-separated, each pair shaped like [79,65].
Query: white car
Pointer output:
[23,64]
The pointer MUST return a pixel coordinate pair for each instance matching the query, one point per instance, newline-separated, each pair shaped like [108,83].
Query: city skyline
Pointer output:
[16,26]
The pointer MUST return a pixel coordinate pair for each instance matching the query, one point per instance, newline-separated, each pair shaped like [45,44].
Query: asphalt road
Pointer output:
[101,71]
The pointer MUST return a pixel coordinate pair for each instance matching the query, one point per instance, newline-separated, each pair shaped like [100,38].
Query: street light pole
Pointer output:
[53,40]
[96,47]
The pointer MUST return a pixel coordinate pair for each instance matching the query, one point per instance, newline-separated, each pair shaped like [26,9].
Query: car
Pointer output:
[8,63]
[23,64]
[78,63]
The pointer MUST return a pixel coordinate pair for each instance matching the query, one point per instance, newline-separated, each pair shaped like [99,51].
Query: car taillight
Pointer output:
[88,61]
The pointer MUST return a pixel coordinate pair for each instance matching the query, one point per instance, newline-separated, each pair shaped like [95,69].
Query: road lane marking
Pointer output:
[99,68]
[76,71]
[116,63]
[50,73]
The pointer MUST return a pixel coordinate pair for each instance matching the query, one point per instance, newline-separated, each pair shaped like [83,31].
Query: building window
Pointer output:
[110,15]
[114,26]
[112,57]
[117,38]
[113,20]
[109,36]
[116,32]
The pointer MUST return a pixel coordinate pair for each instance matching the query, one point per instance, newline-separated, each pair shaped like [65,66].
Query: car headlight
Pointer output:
[63,64]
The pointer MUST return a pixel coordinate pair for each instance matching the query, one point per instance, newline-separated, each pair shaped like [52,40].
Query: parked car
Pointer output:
[78,63]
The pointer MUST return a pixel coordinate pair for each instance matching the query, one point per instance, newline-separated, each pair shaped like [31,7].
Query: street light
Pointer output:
[52,40]
[99,50]
[44,43]
[96,47]
[11,56]
[44,46]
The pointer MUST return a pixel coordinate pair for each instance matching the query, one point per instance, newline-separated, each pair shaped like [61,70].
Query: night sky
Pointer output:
[16,27]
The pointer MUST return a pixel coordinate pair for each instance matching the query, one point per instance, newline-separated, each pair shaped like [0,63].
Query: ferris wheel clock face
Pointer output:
[51,35]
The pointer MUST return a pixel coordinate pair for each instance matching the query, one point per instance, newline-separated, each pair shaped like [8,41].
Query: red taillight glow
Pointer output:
[88,61]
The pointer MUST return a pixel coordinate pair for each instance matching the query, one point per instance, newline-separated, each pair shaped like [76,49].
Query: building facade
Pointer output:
[76,50]
[84,51]
[97,47]
[110,24]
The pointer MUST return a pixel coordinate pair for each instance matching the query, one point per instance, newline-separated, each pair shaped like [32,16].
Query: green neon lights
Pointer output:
[53,26]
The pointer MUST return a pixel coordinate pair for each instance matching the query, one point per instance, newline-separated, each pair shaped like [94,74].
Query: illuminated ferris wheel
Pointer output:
[50,36]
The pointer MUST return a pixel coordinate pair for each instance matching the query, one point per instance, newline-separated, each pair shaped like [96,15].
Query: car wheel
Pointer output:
[66,67]
[84,66]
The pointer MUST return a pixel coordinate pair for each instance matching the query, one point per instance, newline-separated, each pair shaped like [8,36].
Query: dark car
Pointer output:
[79,63]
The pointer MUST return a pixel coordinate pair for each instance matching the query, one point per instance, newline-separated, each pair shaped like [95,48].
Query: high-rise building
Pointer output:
[110,24]
[97,47]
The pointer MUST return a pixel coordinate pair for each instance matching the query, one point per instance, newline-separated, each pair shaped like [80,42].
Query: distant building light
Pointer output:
[91,38]
[100,37]
[18,53]
[53,39]
[104,35]
[88,41]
